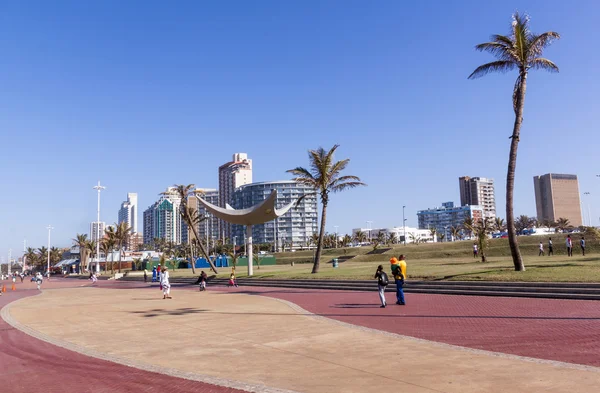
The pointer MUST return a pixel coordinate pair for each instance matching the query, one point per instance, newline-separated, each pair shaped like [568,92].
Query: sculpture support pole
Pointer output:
[249,250]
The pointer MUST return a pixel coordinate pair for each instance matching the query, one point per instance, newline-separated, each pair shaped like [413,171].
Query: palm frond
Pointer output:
[541,41]
[506,41]
[498,49]
[337,168]
[521,35]
[301,172]
[494,66]
[344,186]
[344,179]
[541,63]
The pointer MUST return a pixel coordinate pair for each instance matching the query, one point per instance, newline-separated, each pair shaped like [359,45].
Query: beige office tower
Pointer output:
[232,175]
[478,191]
[557,196]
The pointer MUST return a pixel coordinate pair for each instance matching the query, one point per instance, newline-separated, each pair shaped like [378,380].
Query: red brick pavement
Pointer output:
[562,330]
[28,365]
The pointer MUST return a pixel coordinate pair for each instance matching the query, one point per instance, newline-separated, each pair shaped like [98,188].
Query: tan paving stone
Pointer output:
[265,341]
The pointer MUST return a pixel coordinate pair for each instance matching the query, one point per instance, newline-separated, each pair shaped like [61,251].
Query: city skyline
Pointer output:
[275,88]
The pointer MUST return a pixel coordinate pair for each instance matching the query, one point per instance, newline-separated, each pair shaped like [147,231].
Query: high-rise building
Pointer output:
[557,196]
[478,191]
[208,228]
[129,212]
[448,216]
[232,175]
[94,228]
[292,230]
[162,219]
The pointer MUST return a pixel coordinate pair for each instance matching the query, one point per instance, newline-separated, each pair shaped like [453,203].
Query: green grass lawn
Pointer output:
[441,261]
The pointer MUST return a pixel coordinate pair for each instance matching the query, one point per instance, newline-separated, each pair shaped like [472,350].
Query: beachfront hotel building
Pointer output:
[128,212]
[162,219]
[232,175]
[294,229]
[557,196]
[447,216]
[478,191]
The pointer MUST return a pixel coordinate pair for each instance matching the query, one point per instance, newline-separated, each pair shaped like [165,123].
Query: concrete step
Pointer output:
[546,290]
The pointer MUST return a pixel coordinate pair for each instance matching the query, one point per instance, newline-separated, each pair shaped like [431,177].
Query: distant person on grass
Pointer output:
[582,244]
[550,248]
[541,253]
[399,273]
[569,246]
[475,250]
[382,283]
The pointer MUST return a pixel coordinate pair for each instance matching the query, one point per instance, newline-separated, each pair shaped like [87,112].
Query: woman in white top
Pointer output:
[164,282]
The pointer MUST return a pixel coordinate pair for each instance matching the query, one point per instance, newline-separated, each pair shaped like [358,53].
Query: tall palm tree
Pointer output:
[42,257]
[520,50]
[433,232]
[469,226]
[325,177]
[563,224]
[192,218]
[90,246]
[360,237]
[81,241]
[455,232]
[499,224]
[107,246]
[31,256]
[482,229]
[122,235]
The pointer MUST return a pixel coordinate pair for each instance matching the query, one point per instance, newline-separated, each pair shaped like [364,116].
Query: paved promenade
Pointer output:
[263,344]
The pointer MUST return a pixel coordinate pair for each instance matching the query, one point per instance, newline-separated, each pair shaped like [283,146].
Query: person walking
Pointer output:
[232,282]
[550,247]
[158,272]
[399,273]
[569,246]
[145,275]
[38,280]
[382,283]
[154,274]
[582,244]
[475,250]
[165,284]
[541,253]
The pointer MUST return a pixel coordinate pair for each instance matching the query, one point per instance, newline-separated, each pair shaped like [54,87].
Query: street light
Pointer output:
[98,188]
[589,211]
[336,236]
[404,224]
[369,229]
[49,228]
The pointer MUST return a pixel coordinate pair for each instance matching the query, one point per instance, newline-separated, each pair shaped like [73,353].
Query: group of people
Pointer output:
[13,276]
[398,270]
[568,244]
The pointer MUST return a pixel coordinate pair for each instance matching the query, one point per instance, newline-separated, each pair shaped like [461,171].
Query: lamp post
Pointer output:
[97,188]
[404,224]
[589,211]
[369,229]
[49,228]
[336,236]
[9,258]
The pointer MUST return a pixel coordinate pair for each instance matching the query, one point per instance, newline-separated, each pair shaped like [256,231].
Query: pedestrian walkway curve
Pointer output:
[255,342]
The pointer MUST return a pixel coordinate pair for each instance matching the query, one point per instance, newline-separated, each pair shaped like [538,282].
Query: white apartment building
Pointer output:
[478,191]
[232,175]
[163,220]
[129,212]
[412,234]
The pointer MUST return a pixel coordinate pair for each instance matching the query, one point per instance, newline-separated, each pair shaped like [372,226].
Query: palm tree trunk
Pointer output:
[321,235]
[510,177]
[195,231]
[120,249]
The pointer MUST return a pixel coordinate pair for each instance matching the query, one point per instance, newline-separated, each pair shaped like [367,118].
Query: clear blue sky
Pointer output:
[145,94]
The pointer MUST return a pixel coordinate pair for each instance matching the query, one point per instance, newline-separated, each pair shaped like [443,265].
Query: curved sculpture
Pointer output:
[258,214]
